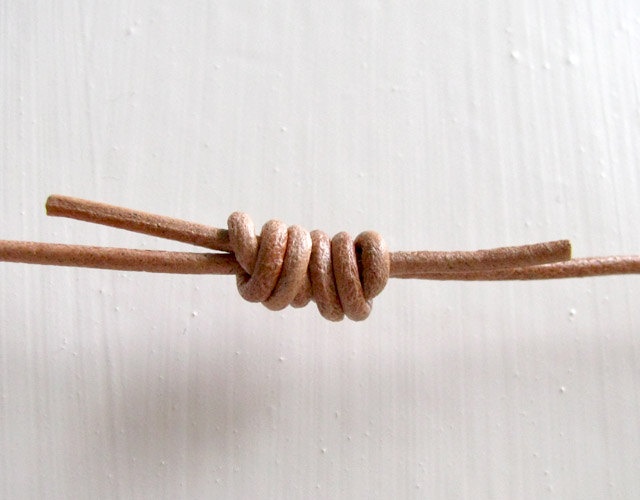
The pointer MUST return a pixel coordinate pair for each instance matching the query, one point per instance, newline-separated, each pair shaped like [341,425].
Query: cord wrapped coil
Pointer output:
[291,266]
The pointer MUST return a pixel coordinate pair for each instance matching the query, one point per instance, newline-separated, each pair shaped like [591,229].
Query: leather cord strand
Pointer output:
[289,266]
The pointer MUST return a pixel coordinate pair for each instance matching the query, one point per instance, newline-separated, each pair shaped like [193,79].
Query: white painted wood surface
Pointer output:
[443,125]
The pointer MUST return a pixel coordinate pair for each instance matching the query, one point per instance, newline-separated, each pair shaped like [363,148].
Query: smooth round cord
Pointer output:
[290,266]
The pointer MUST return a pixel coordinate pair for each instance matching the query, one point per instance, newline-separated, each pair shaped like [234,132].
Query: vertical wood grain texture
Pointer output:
[443,125]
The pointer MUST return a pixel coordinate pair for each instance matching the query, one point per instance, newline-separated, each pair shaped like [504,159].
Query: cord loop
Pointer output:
[290,266]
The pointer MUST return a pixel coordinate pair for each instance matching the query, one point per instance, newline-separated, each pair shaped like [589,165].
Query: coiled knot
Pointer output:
[290,266]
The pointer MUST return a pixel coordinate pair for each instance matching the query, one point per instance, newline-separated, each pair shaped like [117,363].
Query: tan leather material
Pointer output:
[137,221]
[294,269]
[290,266]
[278,272]
[257,287]
[121,259]
[243,241]
[574,268]
[375,263]
[345,271]
[323,283]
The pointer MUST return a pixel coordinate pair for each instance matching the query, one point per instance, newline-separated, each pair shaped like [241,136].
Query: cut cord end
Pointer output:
[289,266]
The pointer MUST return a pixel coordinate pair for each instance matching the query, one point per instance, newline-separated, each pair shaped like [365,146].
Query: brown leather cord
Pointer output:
[290,266]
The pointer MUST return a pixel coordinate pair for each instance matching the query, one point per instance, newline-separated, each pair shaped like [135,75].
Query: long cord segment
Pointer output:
[290,266]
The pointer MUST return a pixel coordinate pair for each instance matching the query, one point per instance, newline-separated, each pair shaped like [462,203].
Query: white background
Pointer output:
[442,124]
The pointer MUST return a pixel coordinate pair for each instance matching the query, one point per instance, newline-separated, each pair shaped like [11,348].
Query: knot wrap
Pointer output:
[290,266]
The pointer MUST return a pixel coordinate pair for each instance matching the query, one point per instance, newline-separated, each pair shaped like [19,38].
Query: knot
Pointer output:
[290,266]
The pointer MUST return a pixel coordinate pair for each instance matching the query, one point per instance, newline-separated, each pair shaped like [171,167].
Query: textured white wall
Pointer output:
[444,125]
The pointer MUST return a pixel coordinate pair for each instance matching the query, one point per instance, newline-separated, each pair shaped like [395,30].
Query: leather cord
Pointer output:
[291,266]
